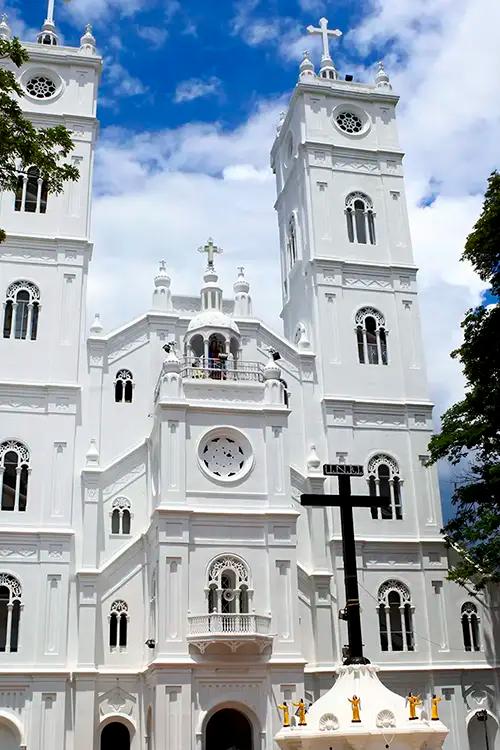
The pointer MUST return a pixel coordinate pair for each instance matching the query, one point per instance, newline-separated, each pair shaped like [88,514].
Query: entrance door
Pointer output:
[115,736]
[8,740]
[228,729]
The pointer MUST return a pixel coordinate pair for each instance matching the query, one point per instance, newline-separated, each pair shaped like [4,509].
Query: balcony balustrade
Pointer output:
[222,369]
[231,629]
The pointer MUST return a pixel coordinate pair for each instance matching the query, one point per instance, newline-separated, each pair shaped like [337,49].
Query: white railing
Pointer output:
[221,369]
[229,624]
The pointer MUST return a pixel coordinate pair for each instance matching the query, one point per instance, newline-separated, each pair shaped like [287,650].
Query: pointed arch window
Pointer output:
[371,337]
[360,218]
[228,588]
[31,192]
[14,475]
[21,311]
[120,516]
[118,625]
[470,627]
[10,613]
[384,481]
[124,387]
[395,614]
[292,243]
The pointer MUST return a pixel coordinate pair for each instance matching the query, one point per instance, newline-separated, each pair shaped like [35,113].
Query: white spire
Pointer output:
[96,328]
[48,33]
[87,42]
[5,31]
[382,79]
[162,297]
[327,69]
[306,67]
[242,299]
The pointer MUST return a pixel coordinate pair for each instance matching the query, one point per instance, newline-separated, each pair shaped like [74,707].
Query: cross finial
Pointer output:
[325,33]
[211,250]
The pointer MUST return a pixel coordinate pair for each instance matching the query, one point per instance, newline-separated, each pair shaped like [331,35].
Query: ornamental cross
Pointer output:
[325,32]
[347,502]
[211,250]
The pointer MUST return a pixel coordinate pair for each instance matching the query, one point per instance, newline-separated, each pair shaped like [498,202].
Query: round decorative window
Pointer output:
[349,122]
[41,87]
[225,455]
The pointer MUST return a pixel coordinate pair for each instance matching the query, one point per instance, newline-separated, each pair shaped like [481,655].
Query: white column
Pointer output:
[9,627]
[23,195]
[392,500]
[1,484]
[403,627]
[365,345]
[15,308]
[388,628]
[379,348]
[30,319]
[38,194]
[18,488]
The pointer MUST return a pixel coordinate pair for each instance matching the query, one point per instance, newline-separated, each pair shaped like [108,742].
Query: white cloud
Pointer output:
[285,34]
[153,34]
[162,194]
[83,11]
[120,82]
[196,88]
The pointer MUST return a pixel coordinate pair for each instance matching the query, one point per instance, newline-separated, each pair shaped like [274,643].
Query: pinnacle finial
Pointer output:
[87,42]
[306,67]
[5,30]
[382,80]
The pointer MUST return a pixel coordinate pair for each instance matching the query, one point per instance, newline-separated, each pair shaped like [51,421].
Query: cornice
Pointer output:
[60,54]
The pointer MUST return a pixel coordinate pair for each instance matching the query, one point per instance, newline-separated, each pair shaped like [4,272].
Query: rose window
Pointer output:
[41,87]
[349,122]
[223,456]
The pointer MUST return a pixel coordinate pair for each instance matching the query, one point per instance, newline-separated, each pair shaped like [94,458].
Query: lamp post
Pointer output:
[482,716]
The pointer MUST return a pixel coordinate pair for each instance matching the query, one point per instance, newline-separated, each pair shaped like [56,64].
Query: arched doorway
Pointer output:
[8,737]
[115,736]
[228,729]
[482,731]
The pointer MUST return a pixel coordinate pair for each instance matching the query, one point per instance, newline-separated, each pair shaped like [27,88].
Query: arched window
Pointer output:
[228,586]
[395,617]
[120,516]
[118,623]
[470,627]
[384,481]
[371,335]
[31,192]
[291,243]
[14,475]
[360,218]
[10,612]
[124,386]
[22,308]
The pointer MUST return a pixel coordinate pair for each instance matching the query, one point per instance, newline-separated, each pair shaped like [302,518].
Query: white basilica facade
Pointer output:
[161,587]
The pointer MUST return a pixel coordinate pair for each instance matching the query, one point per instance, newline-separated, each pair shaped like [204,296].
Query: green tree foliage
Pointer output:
[470,434]
[22,145]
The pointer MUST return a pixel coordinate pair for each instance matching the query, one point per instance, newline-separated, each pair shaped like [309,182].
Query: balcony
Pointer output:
[230,630]
[225,369]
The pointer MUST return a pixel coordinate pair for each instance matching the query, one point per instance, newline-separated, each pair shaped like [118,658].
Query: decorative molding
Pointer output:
[352,165]
[366,281]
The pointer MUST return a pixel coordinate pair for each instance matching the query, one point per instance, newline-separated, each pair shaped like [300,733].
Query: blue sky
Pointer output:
[190,98]
[231,47]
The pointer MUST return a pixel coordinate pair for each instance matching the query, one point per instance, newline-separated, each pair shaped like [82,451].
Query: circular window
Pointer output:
[349,122]
[41,87]
[225,455]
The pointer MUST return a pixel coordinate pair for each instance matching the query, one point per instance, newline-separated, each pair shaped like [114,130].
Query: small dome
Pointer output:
[212,319]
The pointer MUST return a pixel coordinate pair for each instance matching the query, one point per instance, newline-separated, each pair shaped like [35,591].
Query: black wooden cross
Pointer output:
[347,502]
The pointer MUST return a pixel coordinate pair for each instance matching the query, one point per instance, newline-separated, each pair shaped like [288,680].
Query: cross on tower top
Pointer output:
[211,250]
[325,33]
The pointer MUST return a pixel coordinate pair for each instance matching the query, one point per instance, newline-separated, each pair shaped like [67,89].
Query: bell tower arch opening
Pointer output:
[228,729]
[115,736]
